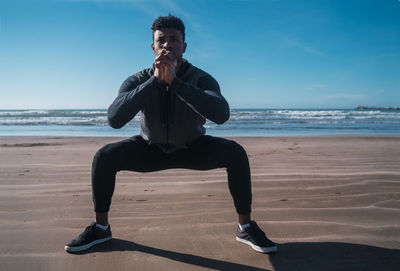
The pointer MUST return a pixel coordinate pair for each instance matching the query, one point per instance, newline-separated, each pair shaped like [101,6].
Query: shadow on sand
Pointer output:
[123,245]
[291,256]
[334,256]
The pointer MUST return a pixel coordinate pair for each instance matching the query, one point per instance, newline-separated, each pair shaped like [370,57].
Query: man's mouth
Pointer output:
[169,56]
[167,53]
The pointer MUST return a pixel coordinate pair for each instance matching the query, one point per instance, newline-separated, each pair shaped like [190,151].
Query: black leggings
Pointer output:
[206,152]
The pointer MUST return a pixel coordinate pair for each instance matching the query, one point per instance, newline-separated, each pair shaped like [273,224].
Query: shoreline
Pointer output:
[42,139]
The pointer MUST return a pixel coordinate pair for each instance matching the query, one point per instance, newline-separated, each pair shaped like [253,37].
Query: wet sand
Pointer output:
[331,202]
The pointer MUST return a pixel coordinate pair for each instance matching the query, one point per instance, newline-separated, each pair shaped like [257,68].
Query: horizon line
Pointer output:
[232,108]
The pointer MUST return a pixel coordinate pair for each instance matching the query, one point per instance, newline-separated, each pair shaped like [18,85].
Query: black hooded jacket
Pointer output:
[171,116]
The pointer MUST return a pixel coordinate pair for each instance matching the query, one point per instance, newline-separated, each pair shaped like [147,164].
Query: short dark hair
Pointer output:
[169,21]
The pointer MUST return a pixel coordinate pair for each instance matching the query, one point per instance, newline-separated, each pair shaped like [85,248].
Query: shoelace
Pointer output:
[256,231]
[86,232]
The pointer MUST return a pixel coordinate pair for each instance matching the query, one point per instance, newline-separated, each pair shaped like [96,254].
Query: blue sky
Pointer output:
[264,54]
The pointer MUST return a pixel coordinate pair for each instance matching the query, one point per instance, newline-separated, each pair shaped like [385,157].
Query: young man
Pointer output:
[174,99]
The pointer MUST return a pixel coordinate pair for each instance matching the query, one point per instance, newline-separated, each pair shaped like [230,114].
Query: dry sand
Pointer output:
[331,202]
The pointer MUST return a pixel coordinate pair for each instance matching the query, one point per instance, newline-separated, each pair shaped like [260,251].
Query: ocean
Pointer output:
[243,122]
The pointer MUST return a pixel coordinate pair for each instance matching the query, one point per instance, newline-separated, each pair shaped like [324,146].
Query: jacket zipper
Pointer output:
[167,113]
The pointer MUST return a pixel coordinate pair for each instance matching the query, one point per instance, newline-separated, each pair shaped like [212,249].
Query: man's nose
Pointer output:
[166,45]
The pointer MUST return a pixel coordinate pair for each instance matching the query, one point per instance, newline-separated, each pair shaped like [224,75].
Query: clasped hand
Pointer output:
[165,65]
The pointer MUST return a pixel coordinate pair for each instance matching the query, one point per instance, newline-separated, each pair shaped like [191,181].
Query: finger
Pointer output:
[165,52]
[159,57]
[171,64]
[169,56]
[158,64]
[164,59]
[165,65]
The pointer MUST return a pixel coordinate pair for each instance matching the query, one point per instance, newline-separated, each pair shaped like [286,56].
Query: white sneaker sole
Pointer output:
[257,248]
[87,246]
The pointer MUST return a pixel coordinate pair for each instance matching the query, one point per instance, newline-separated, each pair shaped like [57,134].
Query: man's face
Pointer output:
[171,41]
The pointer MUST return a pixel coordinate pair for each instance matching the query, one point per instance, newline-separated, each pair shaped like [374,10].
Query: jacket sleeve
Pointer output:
[205,100]
[130,100]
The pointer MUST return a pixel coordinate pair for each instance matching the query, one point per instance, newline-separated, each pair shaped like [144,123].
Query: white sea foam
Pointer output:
[241,121]
[22,112]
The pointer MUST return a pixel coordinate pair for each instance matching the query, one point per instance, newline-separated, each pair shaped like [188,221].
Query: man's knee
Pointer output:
[103,155]
[235,147]
[235,151]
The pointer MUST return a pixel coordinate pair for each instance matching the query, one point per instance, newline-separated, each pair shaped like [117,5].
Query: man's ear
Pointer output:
[184,47]
[152,48]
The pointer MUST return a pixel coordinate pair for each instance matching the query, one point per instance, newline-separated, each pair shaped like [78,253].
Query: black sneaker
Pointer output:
[91,236]
[255,237]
